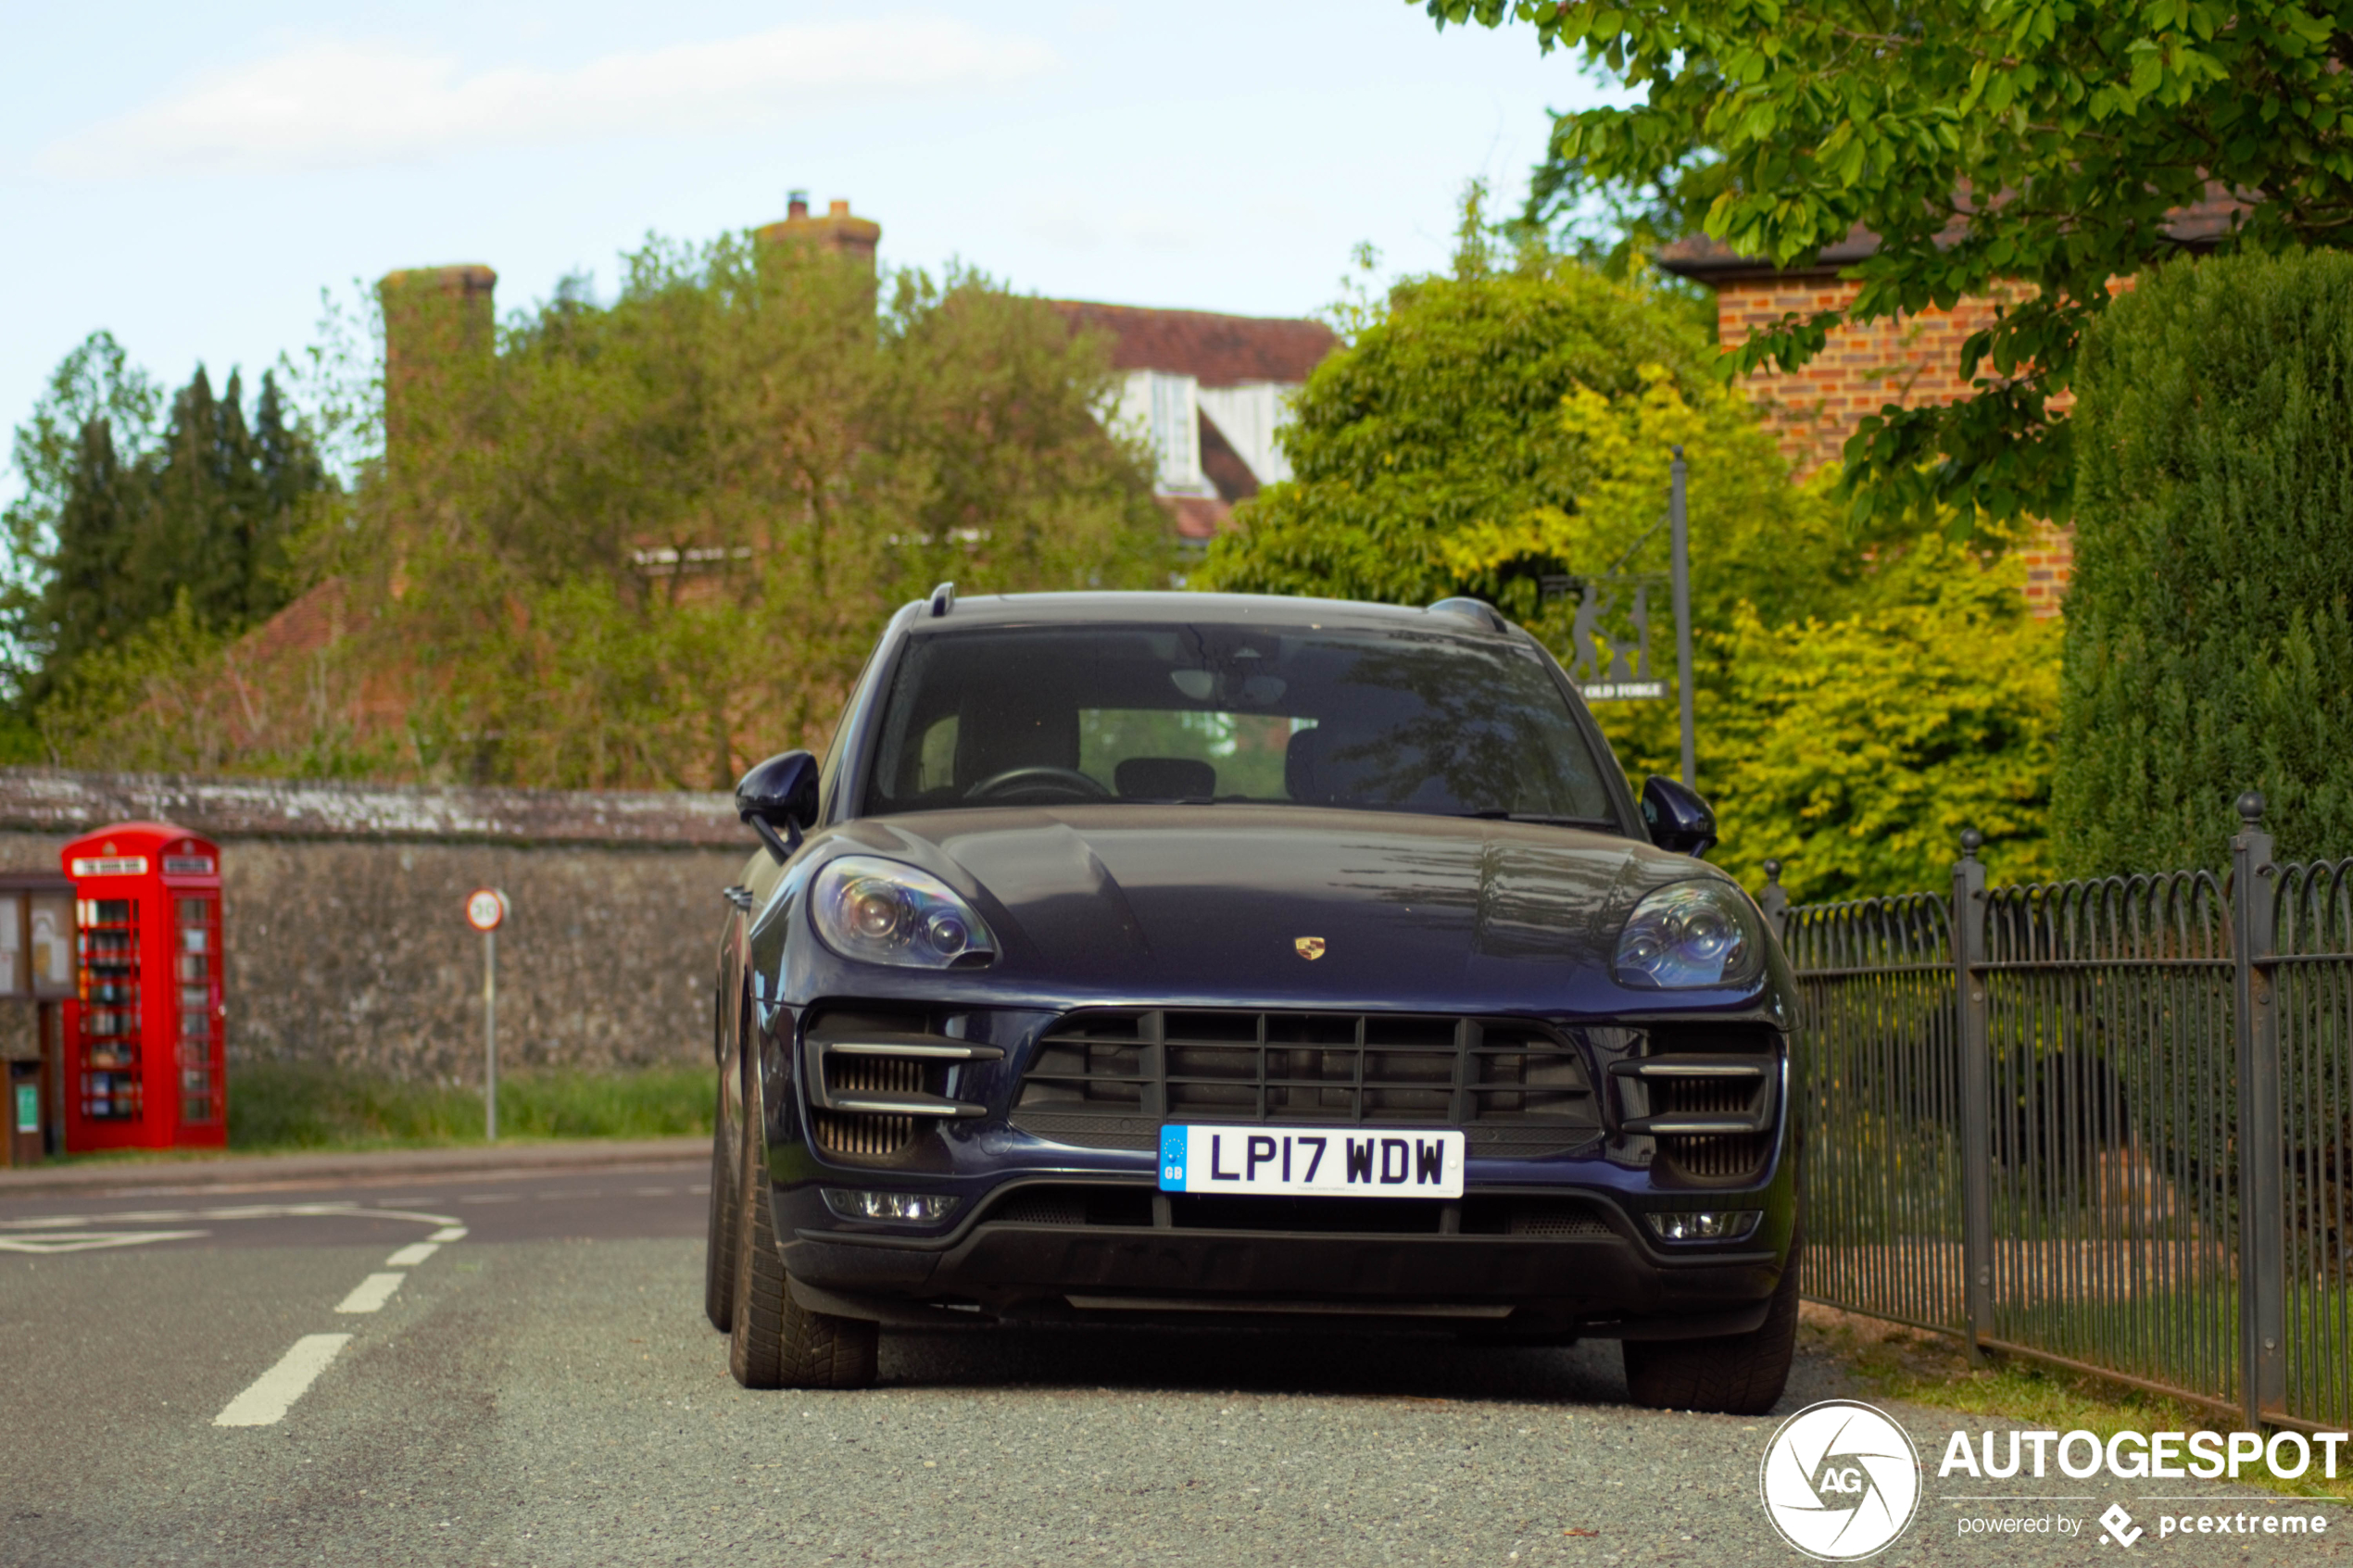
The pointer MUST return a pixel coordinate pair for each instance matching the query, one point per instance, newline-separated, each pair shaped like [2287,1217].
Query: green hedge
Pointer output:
[2209,645]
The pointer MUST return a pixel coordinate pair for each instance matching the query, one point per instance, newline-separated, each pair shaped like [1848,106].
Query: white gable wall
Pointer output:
[1247,417]
[1166,409]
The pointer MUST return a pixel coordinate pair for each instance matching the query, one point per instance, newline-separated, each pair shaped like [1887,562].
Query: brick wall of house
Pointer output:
[1912,361]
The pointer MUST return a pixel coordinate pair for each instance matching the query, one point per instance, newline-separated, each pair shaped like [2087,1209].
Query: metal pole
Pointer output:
[2262,1213]
[1681,527]
[490,1034]
[1975,1049]
[1774,901]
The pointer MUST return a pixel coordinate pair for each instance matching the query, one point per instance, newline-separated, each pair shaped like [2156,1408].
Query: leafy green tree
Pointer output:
[1443,415]
[1856,748]
[655,540]
[1858,701]
[2209,625]
[68,458]
[120,520]
[2038,144]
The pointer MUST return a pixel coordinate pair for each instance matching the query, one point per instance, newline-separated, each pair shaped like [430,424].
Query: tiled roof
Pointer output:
[1216,350]
[1705,260]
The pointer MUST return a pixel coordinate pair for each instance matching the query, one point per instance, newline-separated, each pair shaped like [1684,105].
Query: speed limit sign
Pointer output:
[485,909]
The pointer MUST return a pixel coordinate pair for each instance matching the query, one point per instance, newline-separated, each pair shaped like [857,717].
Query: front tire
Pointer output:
[1732,1374]
[719,1237]
[773,1341]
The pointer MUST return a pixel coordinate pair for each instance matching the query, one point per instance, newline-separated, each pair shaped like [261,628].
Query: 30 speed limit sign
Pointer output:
[485,909]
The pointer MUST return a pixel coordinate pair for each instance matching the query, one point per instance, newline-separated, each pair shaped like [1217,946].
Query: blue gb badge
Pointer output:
[1172,1160]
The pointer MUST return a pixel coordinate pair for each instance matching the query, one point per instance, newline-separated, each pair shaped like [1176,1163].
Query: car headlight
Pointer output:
[1690,934]
[880,911]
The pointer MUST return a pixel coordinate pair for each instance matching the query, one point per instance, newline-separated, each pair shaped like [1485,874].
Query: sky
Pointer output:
[190,178]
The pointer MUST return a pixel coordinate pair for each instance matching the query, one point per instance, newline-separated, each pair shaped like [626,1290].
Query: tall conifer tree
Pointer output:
[121,521]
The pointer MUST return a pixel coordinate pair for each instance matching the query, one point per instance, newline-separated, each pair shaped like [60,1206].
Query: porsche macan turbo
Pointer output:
[1196,958]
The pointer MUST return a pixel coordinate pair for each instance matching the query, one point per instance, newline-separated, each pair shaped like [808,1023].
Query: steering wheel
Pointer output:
[1056,783]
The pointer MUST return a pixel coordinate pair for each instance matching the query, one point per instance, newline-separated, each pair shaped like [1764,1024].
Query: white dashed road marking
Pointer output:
[411,1255]
[274,1392]
[370,1293]
[449,1233]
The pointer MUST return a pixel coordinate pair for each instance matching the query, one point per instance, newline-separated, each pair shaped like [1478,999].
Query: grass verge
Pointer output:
[1898,1362]
[277,1108]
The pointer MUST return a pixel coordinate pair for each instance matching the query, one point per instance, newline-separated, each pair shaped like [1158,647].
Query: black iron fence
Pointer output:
[2104,1124]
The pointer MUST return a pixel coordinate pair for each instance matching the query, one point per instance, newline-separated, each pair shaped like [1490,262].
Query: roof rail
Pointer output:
[943,599]
[1476,609]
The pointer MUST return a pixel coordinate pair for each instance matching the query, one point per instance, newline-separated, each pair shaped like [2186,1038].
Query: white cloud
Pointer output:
[1075,223]
[338,104]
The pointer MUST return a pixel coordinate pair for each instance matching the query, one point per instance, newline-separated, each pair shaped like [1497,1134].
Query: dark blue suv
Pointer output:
[1188,958]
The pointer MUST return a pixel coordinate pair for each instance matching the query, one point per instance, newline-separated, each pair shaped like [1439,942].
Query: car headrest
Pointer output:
[1164,778]
[1303,761]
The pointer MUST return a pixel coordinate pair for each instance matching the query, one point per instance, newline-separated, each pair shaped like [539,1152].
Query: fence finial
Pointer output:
[1971,842]
[2251,807]
[1773,873]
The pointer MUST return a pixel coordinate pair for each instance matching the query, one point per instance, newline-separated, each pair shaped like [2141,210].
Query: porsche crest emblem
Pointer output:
[1309,946]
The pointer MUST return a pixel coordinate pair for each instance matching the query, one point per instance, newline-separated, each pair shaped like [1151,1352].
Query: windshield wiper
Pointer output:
[1502,816]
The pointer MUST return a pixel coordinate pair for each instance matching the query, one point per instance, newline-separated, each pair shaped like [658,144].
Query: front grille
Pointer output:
[1109,1078]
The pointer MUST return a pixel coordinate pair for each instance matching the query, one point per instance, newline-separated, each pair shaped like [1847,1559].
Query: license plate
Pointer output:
[1311,1161]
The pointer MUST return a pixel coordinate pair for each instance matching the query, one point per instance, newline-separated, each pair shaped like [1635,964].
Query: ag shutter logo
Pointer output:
[1840,1480]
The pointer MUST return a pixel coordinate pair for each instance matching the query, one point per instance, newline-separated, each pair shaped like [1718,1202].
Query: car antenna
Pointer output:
[943,599]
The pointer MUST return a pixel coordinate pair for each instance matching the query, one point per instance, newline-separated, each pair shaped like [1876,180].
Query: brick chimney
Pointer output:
[435,317]
[837,231]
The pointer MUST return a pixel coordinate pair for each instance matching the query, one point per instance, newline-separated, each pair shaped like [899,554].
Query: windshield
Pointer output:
[1407,720]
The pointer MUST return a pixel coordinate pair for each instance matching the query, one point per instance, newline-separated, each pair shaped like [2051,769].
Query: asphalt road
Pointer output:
[541,1388]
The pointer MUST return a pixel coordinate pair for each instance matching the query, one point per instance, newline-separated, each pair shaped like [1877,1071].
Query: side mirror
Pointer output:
[1678,819]
[780,793]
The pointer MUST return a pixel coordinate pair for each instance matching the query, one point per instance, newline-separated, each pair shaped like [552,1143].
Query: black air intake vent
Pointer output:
[1072,1204]
[876,1079]
[1709,1096]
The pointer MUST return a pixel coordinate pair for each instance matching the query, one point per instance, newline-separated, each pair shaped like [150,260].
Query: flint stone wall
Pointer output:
[343,925]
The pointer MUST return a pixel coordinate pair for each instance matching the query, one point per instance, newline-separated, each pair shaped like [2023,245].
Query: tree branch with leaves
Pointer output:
[2032,150]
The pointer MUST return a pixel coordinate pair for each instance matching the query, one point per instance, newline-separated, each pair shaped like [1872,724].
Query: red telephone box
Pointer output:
[143,1038]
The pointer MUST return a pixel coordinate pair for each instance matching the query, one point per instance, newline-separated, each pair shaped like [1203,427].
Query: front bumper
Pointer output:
[1512,1258]
[1606,1282]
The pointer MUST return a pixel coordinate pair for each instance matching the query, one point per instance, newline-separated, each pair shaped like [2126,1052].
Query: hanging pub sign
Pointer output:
[1610,636]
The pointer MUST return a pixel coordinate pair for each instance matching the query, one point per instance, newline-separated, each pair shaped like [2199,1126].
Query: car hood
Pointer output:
[1226,903]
